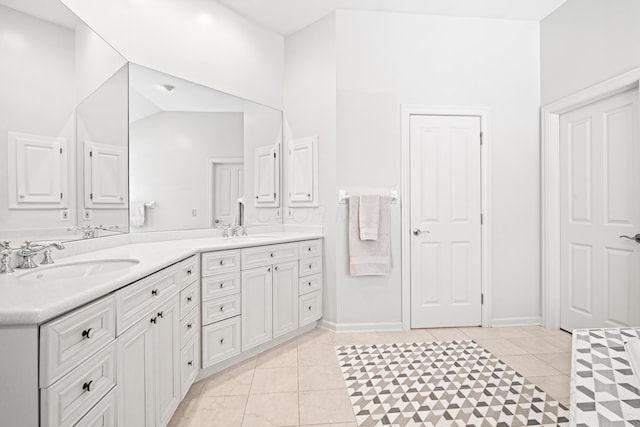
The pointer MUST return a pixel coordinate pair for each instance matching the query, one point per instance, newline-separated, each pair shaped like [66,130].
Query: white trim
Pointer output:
[485,127]
[516,321]
[360,327]
[211,162]
[550,200]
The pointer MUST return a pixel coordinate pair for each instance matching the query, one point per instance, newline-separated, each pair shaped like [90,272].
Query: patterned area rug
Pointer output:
[453,383]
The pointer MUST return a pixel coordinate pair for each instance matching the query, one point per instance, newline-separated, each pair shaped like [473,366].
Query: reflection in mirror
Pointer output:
[51,63]
[193,156]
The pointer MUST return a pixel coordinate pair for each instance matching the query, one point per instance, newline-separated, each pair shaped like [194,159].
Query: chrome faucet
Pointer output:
[28,250]
[5,261]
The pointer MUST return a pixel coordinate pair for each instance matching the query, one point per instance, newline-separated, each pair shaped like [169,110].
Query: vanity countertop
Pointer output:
[29,302]
[604,390]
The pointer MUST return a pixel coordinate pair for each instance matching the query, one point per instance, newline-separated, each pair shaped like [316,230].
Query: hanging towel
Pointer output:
[137,214]
[369,217]
[370,257]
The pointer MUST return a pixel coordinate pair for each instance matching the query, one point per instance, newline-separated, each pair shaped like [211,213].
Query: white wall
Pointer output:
[310,109]
[585,42]
[198,40]
[167,157]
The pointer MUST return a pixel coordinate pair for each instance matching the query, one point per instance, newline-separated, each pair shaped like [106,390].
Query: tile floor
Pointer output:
[299,383]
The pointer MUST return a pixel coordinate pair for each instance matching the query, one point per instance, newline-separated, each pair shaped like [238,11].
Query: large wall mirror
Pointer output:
[63,126]
[200,158]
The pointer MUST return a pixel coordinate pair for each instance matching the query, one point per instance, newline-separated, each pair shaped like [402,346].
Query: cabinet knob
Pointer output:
[190,363]
[22,196]
[310,266]
[309,307]
[189,272]
[309,283]
[309,249]
[271,255]
[269,269]
[189,325]
[189,299]
[87,386]
[154,320]
[155,292]
[221,285]
[221,340]
[161,314]
[276,268]
[221,262]
[309,195]
[222,308]
[88,333]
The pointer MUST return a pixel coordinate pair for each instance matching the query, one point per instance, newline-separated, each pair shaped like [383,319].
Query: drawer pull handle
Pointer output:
[276,267]
[190,363]
[189,299]
[155,292]
[221,285]
[309,249]
[222,341]
[154,320]
[222,308]
[161,314]
[310,266]
[271,254]
[309,307]
[221,262]
[189,325]
[189,272]
[87,386]
[269,269]
[309,283]
[88,333]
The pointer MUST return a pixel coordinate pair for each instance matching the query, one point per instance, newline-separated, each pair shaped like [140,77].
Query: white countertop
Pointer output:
[29,302]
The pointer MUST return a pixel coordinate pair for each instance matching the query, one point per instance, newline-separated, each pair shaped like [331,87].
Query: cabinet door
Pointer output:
[256,307]
[136,375]
[303,172]
[105,178]
[285,298]
[168,384]
[267,176]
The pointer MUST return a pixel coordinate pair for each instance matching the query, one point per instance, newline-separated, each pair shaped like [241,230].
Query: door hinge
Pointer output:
[274,195]
[60,150]
[274,155]
[60,196]
[90,153]
[481,299]
[91,196]
[481,219]
[481,138]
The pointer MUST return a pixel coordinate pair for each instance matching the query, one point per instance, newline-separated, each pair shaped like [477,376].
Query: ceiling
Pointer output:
[51,11]
[288,16]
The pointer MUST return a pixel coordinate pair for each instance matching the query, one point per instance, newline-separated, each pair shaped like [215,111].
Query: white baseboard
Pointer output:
[361,327]
[516,321]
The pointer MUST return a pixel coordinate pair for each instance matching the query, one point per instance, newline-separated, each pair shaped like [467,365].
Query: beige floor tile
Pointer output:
[506,332]
[536,345]
[331,425]
[357,338]
[539,331]
[530,366]
[329,406]
[563,342]
[196,389]
[275,380]
[317,337]
[500,346]
[560,361]
[317,356]
[279,357]
[556,386]
[420,335]
[448,334]
[275,409]
[320,378]
[221,411]
[231,382]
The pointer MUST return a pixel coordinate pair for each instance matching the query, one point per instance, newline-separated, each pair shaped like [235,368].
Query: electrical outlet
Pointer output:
[87,214]
[64,215]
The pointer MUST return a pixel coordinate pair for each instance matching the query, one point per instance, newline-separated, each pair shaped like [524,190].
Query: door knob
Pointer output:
[417,231]
[636,237]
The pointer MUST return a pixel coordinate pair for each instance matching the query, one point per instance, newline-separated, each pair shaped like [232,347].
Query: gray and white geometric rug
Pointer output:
[452,383]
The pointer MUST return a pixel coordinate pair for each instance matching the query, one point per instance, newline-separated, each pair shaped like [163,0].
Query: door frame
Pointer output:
[485,188]
[550,197]
[211,165]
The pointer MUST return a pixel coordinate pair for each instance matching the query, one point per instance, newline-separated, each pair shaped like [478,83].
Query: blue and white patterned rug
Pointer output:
[452,383]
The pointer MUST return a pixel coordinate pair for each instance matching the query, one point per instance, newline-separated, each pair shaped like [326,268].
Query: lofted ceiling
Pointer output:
[288,16]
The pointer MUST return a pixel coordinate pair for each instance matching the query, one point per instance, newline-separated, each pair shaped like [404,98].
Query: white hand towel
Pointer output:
[137,214]
[369,217]
[370,257]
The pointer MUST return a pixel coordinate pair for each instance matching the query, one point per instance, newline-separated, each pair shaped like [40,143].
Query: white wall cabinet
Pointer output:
[105,176]
[37,172]
[267,176]
[303,172]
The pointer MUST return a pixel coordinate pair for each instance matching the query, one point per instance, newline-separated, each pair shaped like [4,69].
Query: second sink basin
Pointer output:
[78,269]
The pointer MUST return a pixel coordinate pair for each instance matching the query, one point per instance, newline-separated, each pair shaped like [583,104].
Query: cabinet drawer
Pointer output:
[220,262]
[65,402]
[220,285]
[310,266]
[135,300]
[189,361]
[271,254]
[310,307]
[68,340]
[189,270]
[310,284]
[220,309]
[103,414]
[189,299]
[310,249]
[190,327]
[220,341]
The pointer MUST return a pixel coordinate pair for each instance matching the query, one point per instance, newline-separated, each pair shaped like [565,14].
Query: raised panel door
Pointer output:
[285,298]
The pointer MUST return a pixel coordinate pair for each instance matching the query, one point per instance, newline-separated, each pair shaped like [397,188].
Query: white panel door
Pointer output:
[267,176]
[257,308]
[445,221]
[285,298]
[37,171]
[169,385]
[228,186]
[600,187]
[303,172]
[105,176]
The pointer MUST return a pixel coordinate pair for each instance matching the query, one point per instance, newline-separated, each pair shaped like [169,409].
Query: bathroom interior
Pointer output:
[321,213]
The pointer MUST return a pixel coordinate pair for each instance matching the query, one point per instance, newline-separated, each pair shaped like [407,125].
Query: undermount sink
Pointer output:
[79,269]
[250,238]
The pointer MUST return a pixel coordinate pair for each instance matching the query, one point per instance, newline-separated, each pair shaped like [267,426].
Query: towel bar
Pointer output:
[343,196]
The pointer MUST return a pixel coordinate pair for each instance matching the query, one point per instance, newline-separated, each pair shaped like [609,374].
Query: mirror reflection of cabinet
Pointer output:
[105,175]
[267,176]
[303,172]
[38,173]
